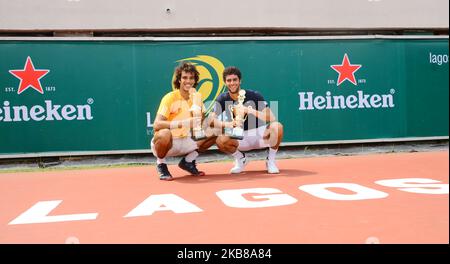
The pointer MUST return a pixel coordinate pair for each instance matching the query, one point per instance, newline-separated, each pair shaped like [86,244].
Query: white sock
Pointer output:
[272,153]
[191,156]
[159,161]
[237,155]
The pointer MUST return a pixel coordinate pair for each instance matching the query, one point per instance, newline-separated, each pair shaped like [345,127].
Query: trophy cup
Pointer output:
[196,112]
[237,132]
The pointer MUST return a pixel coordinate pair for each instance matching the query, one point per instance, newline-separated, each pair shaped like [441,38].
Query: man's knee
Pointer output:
[274,134]
[226,144]
[221,141]
[276,126]
[207,143]
[163,139]
[276,129]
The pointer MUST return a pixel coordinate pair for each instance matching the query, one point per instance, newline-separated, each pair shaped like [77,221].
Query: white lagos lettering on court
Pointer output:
[41,212]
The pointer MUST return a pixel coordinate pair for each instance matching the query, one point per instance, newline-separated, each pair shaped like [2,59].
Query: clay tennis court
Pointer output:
[131,205]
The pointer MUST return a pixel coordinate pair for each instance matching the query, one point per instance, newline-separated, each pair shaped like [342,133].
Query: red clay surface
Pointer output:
[401,217]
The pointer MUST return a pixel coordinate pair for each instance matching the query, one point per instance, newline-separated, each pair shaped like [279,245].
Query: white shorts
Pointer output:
[180,147]
[253,139]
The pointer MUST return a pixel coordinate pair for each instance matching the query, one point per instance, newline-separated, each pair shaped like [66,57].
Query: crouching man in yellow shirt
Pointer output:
[173,124]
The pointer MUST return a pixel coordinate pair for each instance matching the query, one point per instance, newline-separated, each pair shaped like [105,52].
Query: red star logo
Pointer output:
[29,77]
[346,70]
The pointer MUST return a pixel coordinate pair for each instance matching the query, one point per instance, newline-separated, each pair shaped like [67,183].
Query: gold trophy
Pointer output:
[196,112]
[238,115]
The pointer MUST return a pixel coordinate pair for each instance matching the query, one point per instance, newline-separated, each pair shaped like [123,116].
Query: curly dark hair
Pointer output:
[230,71]
[185,67]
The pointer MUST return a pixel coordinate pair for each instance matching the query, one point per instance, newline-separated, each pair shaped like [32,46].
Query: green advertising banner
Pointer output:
[73,96]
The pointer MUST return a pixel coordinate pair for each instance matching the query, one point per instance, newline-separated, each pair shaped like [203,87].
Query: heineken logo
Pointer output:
[309,101]
[47,112]
[29,77]
[346,70]
[312,100]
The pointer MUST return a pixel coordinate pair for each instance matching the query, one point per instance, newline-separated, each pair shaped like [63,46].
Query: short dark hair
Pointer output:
[185,67]
[230,71]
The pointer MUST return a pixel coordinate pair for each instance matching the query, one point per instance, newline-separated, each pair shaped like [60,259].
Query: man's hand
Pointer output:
[241,110]
[193,121]
[230,124]
[251,111]
[186,123]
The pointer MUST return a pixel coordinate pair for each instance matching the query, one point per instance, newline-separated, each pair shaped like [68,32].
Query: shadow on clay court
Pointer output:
[244,176]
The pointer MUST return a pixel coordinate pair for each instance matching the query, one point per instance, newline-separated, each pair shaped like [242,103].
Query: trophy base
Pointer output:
[198,135]
[236,137]
[236,133]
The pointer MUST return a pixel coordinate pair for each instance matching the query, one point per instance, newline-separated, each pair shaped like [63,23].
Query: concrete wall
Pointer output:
[210,14]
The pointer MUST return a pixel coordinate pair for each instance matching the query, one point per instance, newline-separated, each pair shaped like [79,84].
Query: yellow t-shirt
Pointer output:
[174,107]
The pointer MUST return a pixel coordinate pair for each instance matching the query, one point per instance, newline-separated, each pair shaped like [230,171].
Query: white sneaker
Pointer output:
[272,167]
[239,165]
